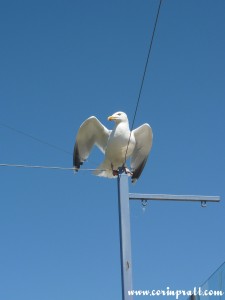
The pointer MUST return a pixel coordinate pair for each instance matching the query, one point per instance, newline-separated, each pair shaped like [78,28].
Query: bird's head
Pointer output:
[118,117]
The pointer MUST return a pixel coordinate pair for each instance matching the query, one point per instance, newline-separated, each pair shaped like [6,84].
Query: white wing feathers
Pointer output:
[91,132]
[143,136]
[115,144]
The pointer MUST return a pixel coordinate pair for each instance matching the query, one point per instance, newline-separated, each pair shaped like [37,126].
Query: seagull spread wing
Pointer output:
[117,145]
[143,136]
[91,132]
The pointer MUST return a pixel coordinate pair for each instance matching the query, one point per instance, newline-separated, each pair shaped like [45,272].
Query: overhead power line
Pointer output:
[146,63]
[34,138]
[144,73]
[43,167]
[67,152]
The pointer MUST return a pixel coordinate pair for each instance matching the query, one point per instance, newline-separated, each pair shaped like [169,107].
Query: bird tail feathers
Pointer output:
[104,170]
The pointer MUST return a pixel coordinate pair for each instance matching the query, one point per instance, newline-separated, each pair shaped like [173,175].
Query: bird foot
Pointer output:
[127,171]
[124,169]
[115,172]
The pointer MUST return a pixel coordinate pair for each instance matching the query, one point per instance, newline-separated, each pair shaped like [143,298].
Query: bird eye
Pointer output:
[119,114]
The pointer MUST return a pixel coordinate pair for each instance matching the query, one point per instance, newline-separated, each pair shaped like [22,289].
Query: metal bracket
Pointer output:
[144,203]
[203,204]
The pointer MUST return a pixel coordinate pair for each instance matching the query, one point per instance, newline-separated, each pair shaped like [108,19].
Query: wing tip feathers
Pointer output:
[137,172]
[77,162]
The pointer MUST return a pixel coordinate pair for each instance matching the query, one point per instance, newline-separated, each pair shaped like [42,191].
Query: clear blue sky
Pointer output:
[63,61]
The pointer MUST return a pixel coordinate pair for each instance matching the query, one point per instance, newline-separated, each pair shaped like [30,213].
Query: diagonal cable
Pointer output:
[144,73]
[34,138]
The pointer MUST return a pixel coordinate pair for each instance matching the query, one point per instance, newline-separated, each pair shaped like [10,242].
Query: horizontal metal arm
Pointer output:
[165,197]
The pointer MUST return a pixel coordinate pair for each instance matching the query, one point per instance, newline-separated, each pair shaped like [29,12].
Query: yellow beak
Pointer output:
[111,118]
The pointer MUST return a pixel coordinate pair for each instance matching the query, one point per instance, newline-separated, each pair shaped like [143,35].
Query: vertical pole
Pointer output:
[125,240]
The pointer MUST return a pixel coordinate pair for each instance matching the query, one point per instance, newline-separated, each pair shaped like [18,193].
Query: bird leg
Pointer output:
[127,171]
[124,169]
[115,172]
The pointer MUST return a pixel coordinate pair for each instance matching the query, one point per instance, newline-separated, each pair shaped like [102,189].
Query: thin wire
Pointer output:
[39,140]
[42,167]
[143,77]
[45,167]
[146,64]
[35,138]
[63,150]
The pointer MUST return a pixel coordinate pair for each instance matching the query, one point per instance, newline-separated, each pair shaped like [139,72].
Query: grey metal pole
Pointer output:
[125,236]
[166,197]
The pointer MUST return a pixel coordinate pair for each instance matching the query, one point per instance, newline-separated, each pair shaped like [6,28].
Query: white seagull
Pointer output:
[118,145]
